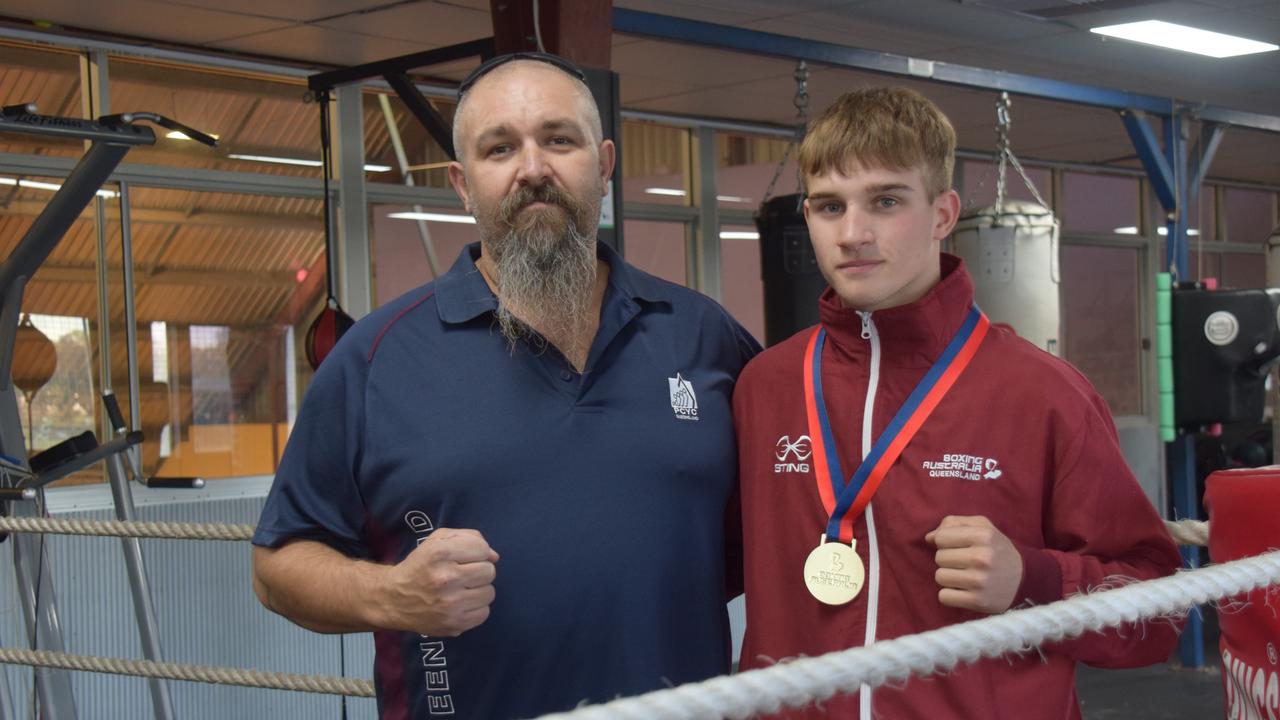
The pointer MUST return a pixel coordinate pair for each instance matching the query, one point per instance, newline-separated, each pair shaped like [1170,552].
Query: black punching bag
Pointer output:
[1224,343]
[792,282]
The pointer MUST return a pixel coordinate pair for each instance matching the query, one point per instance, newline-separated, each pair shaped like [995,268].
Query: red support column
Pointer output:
[580,30]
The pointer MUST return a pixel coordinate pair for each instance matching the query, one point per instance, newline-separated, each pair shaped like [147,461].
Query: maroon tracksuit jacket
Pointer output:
[1022,438]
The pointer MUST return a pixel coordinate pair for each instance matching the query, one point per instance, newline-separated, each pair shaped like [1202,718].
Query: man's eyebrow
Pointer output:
[823,196]
[493,132]
[889,187]
[562,124]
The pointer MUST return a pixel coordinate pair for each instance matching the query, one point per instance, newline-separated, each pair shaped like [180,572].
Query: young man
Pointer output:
[998,482]
[517,476]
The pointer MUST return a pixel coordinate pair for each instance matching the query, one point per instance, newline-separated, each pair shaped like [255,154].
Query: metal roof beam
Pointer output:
[727,37]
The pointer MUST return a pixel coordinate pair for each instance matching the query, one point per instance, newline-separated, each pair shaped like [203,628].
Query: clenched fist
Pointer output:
[978,567]
[444,587]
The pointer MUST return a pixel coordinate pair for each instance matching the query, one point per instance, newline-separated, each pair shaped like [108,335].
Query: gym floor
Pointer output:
[1160,692]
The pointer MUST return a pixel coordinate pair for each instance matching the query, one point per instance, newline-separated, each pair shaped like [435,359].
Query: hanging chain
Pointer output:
[1002,147]
[1004,120]
[801,103]
[801,100]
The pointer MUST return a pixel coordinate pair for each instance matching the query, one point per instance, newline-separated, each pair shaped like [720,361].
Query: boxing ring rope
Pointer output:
[126,528]
[1188,532]
[747,693]
[195,673]
[1184,532]
[799,682]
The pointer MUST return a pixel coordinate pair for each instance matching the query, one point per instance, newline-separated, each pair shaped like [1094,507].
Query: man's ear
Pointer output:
[946,209]
[608,157]
[458,179]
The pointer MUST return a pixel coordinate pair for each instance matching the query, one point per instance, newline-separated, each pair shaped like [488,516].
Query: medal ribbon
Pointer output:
[844,502]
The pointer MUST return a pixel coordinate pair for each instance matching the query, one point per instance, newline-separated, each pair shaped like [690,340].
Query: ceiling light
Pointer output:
[1187,39]
[297,161]
[733,198]
[179,135]
[37,185]
[739,235]
[434,217]
[273,159]
[673,192]
[1162,230]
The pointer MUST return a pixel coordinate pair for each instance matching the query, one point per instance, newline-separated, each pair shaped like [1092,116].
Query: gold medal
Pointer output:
[834,573]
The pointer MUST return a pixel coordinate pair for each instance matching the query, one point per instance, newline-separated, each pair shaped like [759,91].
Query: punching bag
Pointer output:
[1012,254]
[328,326]
[788,268]
[1242,506]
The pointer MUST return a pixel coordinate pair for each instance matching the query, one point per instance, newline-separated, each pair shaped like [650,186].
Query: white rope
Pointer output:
[195,673]
[803,681]
[131,528]
[1188,532]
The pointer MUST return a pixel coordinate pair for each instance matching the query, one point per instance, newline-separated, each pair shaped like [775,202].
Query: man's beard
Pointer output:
[546,266]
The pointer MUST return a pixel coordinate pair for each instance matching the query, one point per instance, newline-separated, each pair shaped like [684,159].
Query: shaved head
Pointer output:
[524,71]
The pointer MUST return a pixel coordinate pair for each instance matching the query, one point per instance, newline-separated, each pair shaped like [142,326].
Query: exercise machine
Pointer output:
[110,138]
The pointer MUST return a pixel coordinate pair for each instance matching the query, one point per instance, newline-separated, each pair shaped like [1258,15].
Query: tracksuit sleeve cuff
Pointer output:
[1041,577]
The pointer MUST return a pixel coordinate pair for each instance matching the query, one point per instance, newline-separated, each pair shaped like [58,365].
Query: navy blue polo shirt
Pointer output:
[604,492]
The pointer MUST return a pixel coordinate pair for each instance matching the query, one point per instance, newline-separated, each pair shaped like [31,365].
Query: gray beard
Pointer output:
[547,274]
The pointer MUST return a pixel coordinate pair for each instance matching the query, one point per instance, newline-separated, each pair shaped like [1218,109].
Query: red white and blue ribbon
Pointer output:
[845,501]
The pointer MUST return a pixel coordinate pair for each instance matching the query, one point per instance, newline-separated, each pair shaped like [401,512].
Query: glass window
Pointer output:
[745,164]
[980,183]
[405,240]
[1100,203]
[428,163]
[226,288]
[1201,216]
[54,402]
[741,286]
[1202,265]
[1249,215]
[262,125]
[51,80]
[58,392]
[657,248]
[655,164]
[1100,330]
[1242,271]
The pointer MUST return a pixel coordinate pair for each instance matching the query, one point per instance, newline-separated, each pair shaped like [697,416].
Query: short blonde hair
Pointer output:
[887,127]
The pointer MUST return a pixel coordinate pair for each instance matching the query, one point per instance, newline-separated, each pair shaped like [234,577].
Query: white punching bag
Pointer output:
[1013,258]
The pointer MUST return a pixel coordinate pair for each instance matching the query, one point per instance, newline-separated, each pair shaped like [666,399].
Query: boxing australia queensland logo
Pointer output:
[964,467]
[792,455]
[684,402]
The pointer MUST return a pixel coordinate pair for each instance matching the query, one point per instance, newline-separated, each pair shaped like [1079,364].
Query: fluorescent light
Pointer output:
[297,161]
[179,135]
[1162,230]
[739,235]
[673,192]
[273,159]
[434,217]
[46,186]
[733,198]
[1187,39]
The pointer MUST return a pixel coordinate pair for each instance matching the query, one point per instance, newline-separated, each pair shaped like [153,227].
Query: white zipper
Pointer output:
[873,569]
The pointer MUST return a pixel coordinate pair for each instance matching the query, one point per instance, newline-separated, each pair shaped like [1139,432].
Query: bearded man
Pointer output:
[520,476]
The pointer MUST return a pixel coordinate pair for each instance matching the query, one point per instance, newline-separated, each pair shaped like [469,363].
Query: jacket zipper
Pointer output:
[873,569]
